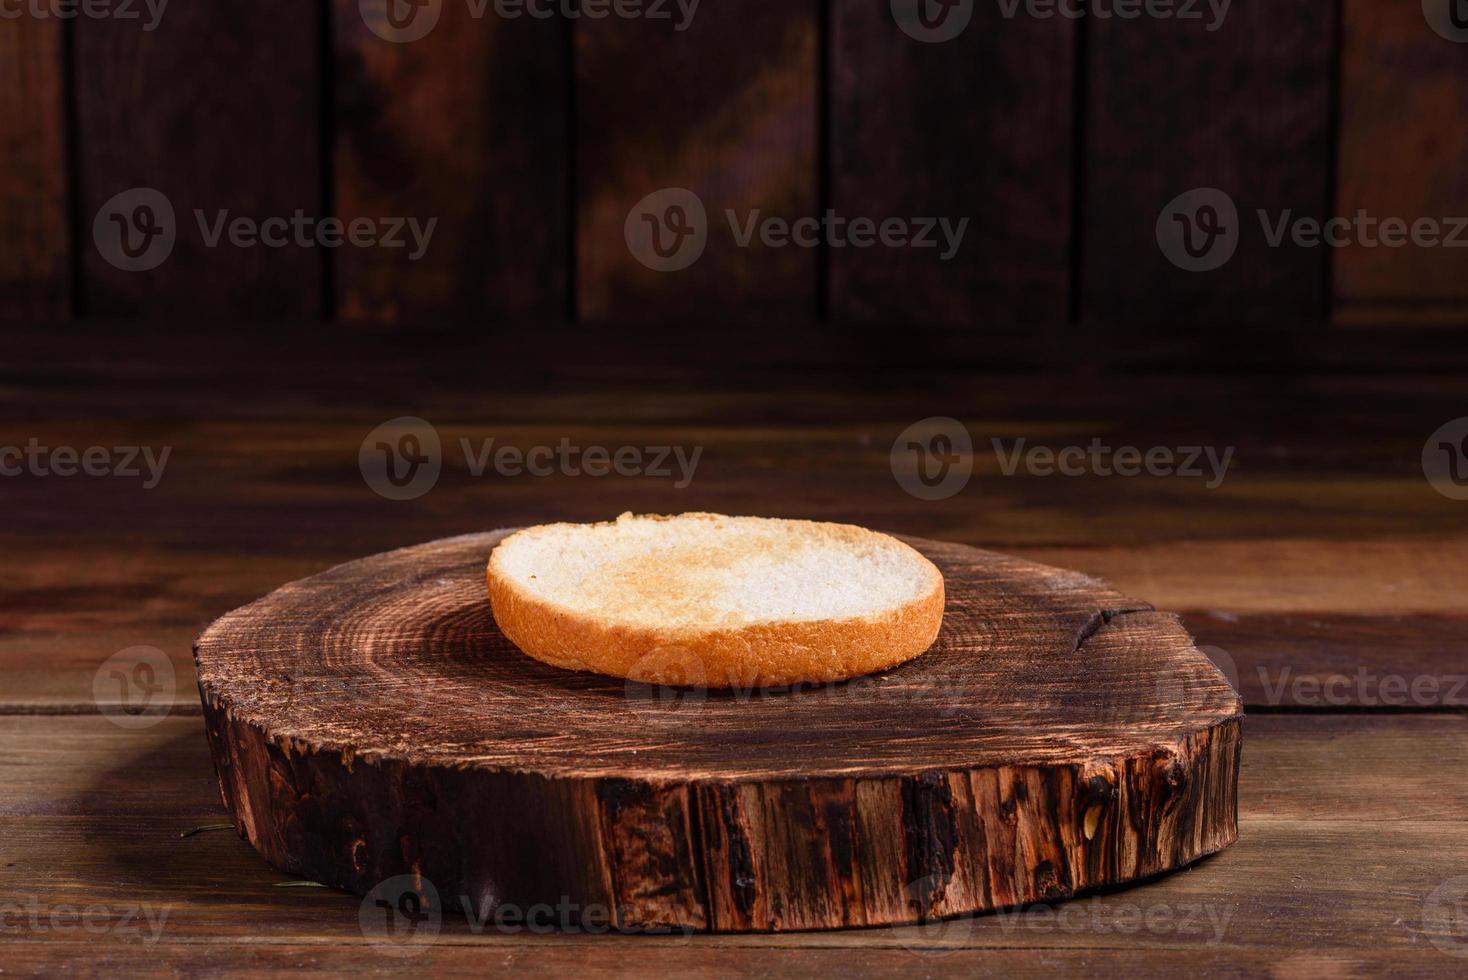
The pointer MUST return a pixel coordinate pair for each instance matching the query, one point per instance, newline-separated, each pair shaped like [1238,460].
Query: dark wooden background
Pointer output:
[1325,554]
[530,140]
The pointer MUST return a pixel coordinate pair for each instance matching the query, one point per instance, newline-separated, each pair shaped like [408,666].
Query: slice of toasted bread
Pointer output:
[713,601]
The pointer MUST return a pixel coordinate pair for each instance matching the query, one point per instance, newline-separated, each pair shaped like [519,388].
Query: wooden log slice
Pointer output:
[370,722]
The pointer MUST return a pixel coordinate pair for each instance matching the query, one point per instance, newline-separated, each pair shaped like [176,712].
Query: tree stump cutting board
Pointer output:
[370,722]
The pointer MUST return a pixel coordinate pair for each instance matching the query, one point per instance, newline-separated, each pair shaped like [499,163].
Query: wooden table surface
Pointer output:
[1325,572]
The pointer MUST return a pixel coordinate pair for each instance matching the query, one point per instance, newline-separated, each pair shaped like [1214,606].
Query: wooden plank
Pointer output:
[216,109]
[1404,94]
[35,275]
[1347,826]
[975,128]
[1333,769]
[1324,552]
[1297,770]
[730,114]
[1366,884]
[464,126]
[1173,106]
[609,959]
[1310,624]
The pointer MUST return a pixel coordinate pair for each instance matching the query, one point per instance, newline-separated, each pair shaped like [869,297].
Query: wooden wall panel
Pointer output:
[979,127]
[726,109]
[1171,106]
[466,125]
[34,252]
[1403,154]
[217,108]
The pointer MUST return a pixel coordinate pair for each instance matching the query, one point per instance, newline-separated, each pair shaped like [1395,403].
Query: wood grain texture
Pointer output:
[1329,870]
[217,108]
[461,961]
[1172,106]
[729,112]
[978,128]
[1322,553]
[384,687]
[35,276]
[1404,97]
[466,126]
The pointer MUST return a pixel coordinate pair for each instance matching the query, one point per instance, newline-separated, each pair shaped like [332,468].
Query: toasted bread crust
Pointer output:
[773,653]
